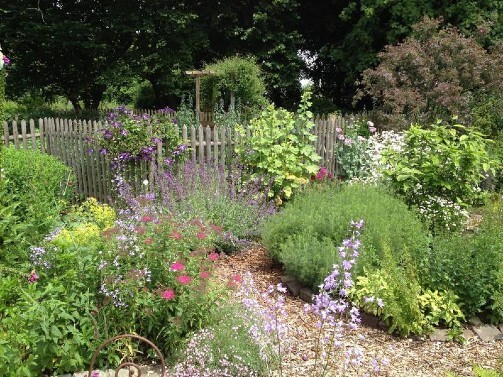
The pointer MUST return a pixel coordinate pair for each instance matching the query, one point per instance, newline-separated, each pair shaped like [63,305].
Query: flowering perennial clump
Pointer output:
[350,147]
[335,316]
[129,137]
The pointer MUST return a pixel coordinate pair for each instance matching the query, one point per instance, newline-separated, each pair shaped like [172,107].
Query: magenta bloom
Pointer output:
[213,257]
[6,60]
[168,294]
[33,277]
[204,275]
[201,236]
[177,266]
[184,279]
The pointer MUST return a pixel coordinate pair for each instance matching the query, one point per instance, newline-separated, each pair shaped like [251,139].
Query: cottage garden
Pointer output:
[409,231]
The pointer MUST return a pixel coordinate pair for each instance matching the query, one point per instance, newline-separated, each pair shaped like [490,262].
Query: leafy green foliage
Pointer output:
[393,293]
[446,162]
[441,308]
[496,152]
[12,229]
[38,187]
[279,146]
[304,235]
[53,328]
[399,293]
[469,265]
[237,77]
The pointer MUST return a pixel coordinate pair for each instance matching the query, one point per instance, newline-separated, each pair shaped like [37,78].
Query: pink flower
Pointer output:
[168,294]
[177,266]
[204,275]
[341,137]
[149,241]
[216,228]
[33,277]
[372,129]
[140,229]
[146,219]
[201,236]
[338,130]
[184,279]
[323,173]
[348,141]
[234,280]
[213,257]
[175,235]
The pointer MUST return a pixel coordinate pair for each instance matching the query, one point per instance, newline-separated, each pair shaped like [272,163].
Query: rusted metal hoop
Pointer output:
[110,340]
[128,364]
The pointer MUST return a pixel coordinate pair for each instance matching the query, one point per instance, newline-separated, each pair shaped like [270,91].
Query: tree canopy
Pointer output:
[79,48]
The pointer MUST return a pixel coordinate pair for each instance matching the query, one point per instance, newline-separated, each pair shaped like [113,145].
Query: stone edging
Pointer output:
[475,328]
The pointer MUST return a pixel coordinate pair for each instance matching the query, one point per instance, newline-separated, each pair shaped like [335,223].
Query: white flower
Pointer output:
[145,182]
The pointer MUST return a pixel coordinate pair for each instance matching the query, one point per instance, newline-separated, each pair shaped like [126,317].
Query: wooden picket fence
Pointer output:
[69,140]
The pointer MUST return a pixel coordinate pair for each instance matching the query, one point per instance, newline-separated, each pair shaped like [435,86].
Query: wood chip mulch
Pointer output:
[407,357]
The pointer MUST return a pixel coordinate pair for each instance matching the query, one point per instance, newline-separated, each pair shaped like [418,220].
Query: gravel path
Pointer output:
[407,357]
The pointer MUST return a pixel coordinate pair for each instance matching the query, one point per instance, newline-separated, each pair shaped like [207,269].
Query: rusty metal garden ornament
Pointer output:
[128,365]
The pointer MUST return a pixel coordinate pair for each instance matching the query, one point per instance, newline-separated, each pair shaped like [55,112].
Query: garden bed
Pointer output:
[407,356]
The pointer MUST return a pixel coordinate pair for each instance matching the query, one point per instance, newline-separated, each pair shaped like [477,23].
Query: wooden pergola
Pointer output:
[198,75]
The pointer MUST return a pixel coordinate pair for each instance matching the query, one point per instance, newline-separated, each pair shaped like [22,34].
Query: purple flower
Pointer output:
[6,60]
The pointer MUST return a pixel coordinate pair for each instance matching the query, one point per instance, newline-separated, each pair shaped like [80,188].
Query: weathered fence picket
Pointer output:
[68,140]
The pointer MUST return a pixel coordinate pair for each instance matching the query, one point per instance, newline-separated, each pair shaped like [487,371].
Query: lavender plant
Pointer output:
[218,196]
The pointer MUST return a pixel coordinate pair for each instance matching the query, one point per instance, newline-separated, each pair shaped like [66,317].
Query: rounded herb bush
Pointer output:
[306,234]
[41,187]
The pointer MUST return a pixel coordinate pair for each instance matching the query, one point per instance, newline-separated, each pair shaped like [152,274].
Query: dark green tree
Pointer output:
[67,47]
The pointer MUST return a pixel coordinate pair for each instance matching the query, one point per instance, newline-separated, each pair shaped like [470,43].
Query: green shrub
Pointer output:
[12,229]
[279,147]
[400,307]
[471,265]
[238,76]
[299,234]
[439,171]
[496,152]
[145,98]
[39,185]
[44,329]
